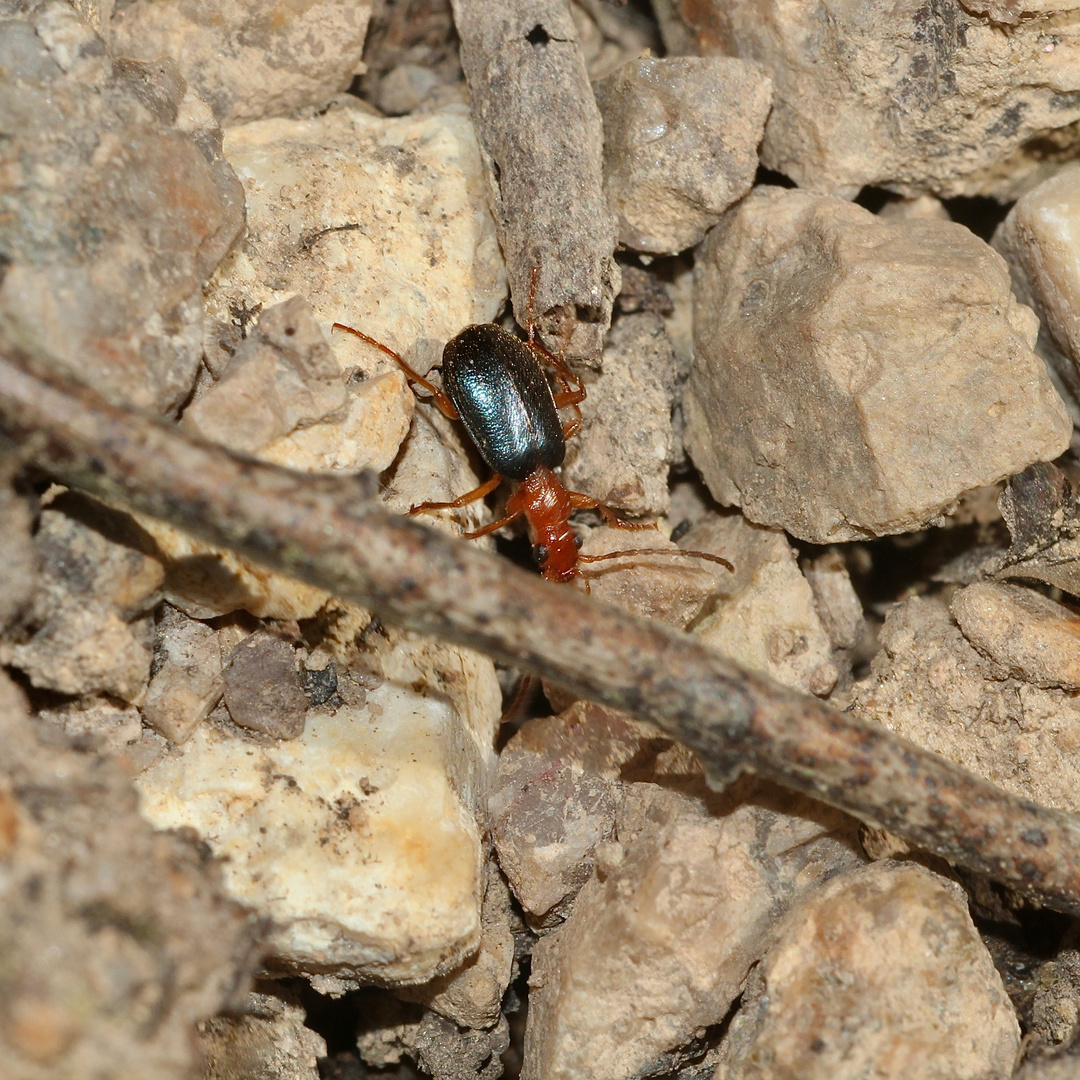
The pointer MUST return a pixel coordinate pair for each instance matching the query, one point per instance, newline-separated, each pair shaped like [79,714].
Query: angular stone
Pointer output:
[659,941]
[186,681]
[555,797]
[283,376]
[97,585]
[381,224]
[880,972]
[119,207]
[764,615]
[838,604]
[19,566]
[268,1039]
[249,61]
[357,841]
[106,923]
[1031,636]
[262,687]
[1040,239]
[905,96]
[930,685]
[624,451]
[680,145]
[889,362]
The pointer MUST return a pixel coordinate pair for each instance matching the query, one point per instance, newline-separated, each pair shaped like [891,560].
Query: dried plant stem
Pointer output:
[333,533]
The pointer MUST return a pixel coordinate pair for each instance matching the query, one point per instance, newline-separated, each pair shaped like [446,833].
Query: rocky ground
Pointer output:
[817,269]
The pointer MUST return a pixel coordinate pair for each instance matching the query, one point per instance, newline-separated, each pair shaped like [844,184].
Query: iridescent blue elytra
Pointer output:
[504,400]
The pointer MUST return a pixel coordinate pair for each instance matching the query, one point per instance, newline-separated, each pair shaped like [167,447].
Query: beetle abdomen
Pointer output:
[504,400]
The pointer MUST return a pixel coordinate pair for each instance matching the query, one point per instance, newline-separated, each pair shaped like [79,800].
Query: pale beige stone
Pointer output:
[1040,240]
[889,362]
[764,614]
[680,144]
[187,683]
[930,685]
[250,60]
[1031,636]
[880,972]
[901,95]
[381,224]
[357,841]
[624,451]
[658,944]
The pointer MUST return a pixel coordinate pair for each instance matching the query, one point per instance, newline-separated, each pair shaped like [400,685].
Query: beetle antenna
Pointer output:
[658,551]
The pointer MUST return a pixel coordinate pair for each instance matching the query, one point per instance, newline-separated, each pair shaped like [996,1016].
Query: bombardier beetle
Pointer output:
[494,384]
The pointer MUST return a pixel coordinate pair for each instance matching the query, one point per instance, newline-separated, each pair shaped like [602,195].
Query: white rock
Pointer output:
[765,616]
[358,840]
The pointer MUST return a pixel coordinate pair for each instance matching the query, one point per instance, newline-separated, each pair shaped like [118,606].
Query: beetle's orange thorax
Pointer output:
[546,507]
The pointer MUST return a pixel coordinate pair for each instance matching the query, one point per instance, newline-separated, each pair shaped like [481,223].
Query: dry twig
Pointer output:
[542,139]
[334,533]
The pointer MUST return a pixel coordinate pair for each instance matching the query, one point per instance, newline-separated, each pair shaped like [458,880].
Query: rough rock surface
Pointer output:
[91,626]
[262,688]
[881,973]
[267,1041]
[556,792]
[282,377]
[185,682]
[358,839]
[764,614]
[1040,239]
[888,361]
[250,61]
[115,938]
[625,448]
[347,208]
[930,685]
[910,96]
[19,566]
[116,207]
[1031,636]
[660,940]
[680,145]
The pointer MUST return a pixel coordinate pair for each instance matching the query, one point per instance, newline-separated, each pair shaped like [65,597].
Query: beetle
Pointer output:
[493,383]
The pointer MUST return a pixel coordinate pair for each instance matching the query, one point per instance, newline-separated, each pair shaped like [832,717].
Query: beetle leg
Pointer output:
[486,488]
[492,526]
[572,427]
[444,403]
[580,501]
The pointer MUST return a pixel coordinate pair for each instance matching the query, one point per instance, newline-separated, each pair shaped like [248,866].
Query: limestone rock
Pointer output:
[250,61]
[660,940]
[375,421]
[283,376]
[838,604]
[555,796]
[381,224]
[116,938]
[118,206]
[357,840]
[888,361]
[624,451]
[764,615]
[880,972]
[901,96]
[19,566]
[97,723]
[91,627]
[186,681]
[267,1040]
[930,685]
[680,145]
[1040,240]
[1028,634]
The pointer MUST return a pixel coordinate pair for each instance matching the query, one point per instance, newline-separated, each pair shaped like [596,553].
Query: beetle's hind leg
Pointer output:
[580,501]
[444,403]
[486,488]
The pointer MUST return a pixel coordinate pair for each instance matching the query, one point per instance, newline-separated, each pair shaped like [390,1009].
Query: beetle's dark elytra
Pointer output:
[504,399]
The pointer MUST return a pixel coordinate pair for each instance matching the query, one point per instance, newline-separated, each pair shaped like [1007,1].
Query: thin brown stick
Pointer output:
[333,533]
[542,140]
